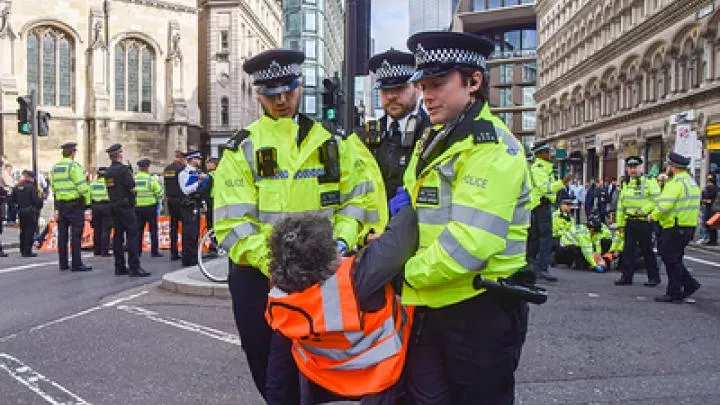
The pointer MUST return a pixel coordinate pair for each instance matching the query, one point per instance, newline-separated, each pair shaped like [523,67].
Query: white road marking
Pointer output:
[709,263]
[32,265]
[47,389]
[181,324]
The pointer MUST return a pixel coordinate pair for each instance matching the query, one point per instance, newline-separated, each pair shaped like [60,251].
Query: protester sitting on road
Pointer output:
[585,243]
[352,346]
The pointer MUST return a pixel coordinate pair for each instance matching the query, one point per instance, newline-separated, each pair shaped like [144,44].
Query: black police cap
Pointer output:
[69,147]
[29,173]
[101,171]
[633,161]
[392,68]
[193,154]
[144,163]
[678,160]
[276,70]
[541,148]
[437,52]
[114,148]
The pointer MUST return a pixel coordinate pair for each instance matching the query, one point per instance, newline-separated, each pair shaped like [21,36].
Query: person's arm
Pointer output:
[77,176]
[189,182]
[36,199]
[156,188]
[385,257]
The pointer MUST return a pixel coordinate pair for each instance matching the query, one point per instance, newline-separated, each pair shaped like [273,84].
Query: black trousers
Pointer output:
[71,217]
[570,256]
[190,234]
[28,226]
[467,353]
[175,211]
[672,249]
[638,241]
[102,224]
[125,229]
[540,241]
[148,215]
[249,290]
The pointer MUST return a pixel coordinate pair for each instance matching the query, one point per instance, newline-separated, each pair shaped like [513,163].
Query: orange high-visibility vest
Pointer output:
[335,345]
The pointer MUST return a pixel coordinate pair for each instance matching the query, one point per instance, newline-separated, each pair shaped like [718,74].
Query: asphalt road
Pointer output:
[68,338]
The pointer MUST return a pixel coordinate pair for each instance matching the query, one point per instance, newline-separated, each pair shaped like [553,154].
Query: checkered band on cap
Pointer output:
[277,71]
[448,55]
[387,70]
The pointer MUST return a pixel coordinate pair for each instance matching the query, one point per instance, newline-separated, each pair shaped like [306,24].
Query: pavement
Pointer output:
[10,237]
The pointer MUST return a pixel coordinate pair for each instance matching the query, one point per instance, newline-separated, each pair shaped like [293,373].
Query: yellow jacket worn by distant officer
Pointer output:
[544,182]
[264,176]
[98,191]
[68,183]
[679,202]
[148,189]
[472,201]
[562,222]
[637,200]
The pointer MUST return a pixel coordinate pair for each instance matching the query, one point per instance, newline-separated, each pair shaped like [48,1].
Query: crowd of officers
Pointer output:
[122,205]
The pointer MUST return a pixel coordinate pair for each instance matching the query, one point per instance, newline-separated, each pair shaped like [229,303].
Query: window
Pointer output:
[494,3]
[310,104]
[224,41]
[310,49]
[529,72]
[134,70]
[50,66]
[506,74]
[505,97]
[309,77]
[528,120]
[292,24]
[511,42]
[478,5]
[310,21]
[507,118]
[529,39]
[528,92]
[224,111]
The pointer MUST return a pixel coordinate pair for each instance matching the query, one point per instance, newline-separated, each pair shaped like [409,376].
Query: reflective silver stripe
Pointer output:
[270,217]
[514,247]
[236,234]
[249,152]
[689,198]
[521,215]
[277,293]
[433,216]
[331,305]
[458,252]
[235,211]
[300,352]
[361,189]
[359,342]
[361,214]
[480,219]
[81,182]
[384,350]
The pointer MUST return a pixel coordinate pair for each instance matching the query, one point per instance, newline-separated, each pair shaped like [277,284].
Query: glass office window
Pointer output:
[530,72]
[505,97]
[310,104]
[506,74]
[528,120]
[528,92]
[309,77]
[310,47]
[529,39]
[310,21]
[511,42]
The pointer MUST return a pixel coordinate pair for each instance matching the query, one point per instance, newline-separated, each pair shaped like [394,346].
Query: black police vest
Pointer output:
[117,179]
[172,186]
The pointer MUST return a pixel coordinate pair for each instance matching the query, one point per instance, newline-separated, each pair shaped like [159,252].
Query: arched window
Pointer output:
[50,66]
[224,111]
[134,72]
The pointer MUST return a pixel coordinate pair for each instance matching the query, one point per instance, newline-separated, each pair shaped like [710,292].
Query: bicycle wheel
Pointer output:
[212,259]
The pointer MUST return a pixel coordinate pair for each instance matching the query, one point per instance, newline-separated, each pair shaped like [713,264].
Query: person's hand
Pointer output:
[400,201]
[599,269]
[371,237]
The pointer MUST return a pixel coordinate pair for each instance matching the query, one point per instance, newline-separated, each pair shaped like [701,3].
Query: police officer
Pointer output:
[635,203]
[545,187]
[29,202]
[72,195]
[285,163]
[192,183]
[148,192]
[121,189]
[101,215]
[469,182]
[676,211]
[174,199]
[392,138]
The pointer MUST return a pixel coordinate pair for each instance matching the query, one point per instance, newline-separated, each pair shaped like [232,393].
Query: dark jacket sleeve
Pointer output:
[37,200]
[384,258]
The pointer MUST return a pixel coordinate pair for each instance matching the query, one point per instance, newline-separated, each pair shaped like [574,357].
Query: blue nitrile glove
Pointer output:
[400,201]
[599,269]
[342,247]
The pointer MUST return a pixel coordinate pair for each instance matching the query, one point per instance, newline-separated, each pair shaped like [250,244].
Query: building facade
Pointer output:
[625,77]
[513,68]
[316,28]
[113,71]
[431,15]
[230,33]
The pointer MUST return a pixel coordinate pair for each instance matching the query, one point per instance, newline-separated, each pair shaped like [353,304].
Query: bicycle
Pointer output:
[212,259]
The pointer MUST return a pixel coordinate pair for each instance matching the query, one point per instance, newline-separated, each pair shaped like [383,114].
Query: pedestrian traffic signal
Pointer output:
[25,115]
[330,114]
[43,123]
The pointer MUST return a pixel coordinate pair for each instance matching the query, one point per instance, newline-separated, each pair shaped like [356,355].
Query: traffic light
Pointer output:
[25,115]
[43,123]
[329,99]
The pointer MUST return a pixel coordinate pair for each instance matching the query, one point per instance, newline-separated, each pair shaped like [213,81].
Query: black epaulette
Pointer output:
[370,133]
[234,143]
[484,132]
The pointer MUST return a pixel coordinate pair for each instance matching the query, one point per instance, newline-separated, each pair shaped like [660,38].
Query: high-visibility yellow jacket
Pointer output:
[148,189]
[246,204]
[588,242]
[618,240]
[472,197]
[637,199]
[562,222]
[679,202]
[544,182]
[98,191]
[67,180]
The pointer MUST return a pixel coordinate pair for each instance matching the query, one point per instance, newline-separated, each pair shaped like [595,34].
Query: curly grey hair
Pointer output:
[302,252]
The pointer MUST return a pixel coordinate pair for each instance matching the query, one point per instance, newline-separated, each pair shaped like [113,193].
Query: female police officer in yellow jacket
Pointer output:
[285,163]
[469,182]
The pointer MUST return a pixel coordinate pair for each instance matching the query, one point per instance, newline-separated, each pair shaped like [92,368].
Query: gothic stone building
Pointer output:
[107,71]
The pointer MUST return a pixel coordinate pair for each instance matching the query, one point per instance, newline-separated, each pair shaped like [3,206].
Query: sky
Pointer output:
[390,24]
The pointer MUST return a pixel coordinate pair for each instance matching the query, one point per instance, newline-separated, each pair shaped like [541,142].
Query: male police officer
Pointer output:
[192,183]
[121,189]
[148,193]
[544,192]
[392,138]
[72,195]
[285,163]
[174,199]
[101,215]
[677,210]
[27,197]
[469,182]
[636,202]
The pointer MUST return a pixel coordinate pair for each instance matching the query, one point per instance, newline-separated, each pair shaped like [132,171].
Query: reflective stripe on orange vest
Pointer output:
[340,348]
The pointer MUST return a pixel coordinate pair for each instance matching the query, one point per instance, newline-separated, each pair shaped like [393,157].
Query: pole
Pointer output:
[34,121]
[350,32]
